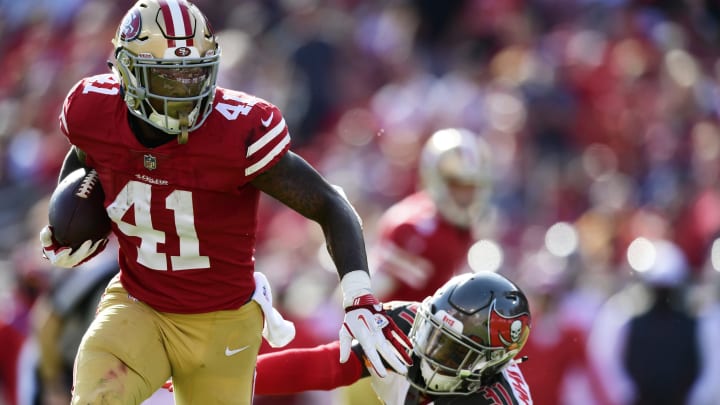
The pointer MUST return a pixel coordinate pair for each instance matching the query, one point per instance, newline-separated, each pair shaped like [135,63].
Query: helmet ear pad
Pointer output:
[468,331]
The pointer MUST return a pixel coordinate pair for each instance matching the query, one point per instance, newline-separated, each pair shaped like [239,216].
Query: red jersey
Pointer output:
[11,343]
[185,215]
[418,248]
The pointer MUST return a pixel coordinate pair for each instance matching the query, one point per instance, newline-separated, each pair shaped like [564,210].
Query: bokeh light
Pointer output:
[641,254]
[485,255]
[561,239]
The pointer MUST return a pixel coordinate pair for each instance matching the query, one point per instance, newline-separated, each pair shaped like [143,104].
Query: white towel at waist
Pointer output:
[277,330]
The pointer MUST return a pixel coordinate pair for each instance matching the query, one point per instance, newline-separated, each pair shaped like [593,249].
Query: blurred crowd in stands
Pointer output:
[603,117]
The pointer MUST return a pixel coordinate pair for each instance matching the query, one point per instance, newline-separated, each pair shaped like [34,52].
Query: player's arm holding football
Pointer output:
[64,256]
[298,185]
[74,159]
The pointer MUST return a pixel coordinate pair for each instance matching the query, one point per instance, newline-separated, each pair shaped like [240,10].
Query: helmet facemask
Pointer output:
[450,363]
[173,97]
[167,60]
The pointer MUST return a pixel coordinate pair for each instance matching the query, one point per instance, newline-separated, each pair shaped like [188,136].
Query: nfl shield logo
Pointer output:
[150,162]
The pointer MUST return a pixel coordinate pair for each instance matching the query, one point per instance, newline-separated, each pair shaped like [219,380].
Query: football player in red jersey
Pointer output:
[465,338]
[423,240]
[182,163]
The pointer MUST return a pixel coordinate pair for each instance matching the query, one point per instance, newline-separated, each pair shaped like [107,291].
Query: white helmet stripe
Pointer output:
[177,21]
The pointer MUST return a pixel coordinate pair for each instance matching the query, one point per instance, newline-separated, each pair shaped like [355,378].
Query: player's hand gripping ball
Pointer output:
[76,212]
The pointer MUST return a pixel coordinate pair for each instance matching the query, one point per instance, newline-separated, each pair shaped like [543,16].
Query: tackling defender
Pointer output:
[465,338]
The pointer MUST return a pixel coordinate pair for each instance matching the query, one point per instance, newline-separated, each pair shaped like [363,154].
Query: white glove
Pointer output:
[377,334]
[65,256]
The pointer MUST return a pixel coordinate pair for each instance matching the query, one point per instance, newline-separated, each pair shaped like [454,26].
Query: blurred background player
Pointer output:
[465,339]
[19,351]
[26,279]
[558,363]
[423,240]
[645,342]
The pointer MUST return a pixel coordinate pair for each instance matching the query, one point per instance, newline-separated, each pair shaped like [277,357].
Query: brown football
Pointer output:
[77,211]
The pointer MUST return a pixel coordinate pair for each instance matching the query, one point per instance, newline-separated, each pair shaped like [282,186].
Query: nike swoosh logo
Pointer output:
[266,122]
[229,352]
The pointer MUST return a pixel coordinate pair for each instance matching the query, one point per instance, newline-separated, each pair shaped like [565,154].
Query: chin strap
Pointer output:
[183,135]
[171,125]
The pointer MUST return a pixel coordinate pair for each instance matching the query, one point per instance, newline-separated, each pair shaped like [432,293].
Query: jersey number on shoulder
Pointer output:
[103,84]
[240,105]
[136,196]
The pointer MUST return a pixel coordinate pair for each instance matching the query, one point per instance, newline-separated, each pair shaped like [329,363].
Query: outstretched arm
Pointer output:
[296,370]
[298,185]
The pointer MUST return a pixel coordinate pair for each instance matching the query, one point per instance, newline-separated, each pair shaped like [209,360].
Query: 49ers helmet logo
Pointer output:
[182,51]
[508,332]
[130,26]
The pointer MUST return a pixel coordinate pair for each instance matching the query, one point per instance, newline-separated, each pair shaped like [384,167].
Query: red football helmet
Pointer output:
[166,58]
[470,329]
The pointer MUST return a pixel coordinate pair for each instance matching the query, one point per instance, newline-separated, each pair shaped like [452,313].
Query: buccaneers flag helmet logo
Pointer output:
[508,332]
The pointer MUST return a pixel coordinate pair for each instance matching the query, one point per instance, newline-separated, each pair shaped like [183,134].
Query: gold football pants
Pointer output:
[130,350]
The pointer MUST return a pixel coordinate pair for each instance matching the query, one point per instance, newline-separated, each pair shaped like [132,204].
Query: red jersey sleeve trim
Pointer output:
[277,130]
[272,141]
[296,370]
[269,157]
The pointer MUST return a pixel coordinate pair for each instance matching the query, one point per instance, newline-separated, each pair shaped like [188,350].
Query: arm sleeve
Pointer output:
[296,370]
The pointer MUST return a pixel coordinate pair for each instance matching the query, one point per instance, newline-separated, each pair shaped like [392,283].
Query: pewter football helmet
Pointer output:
[469,330]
